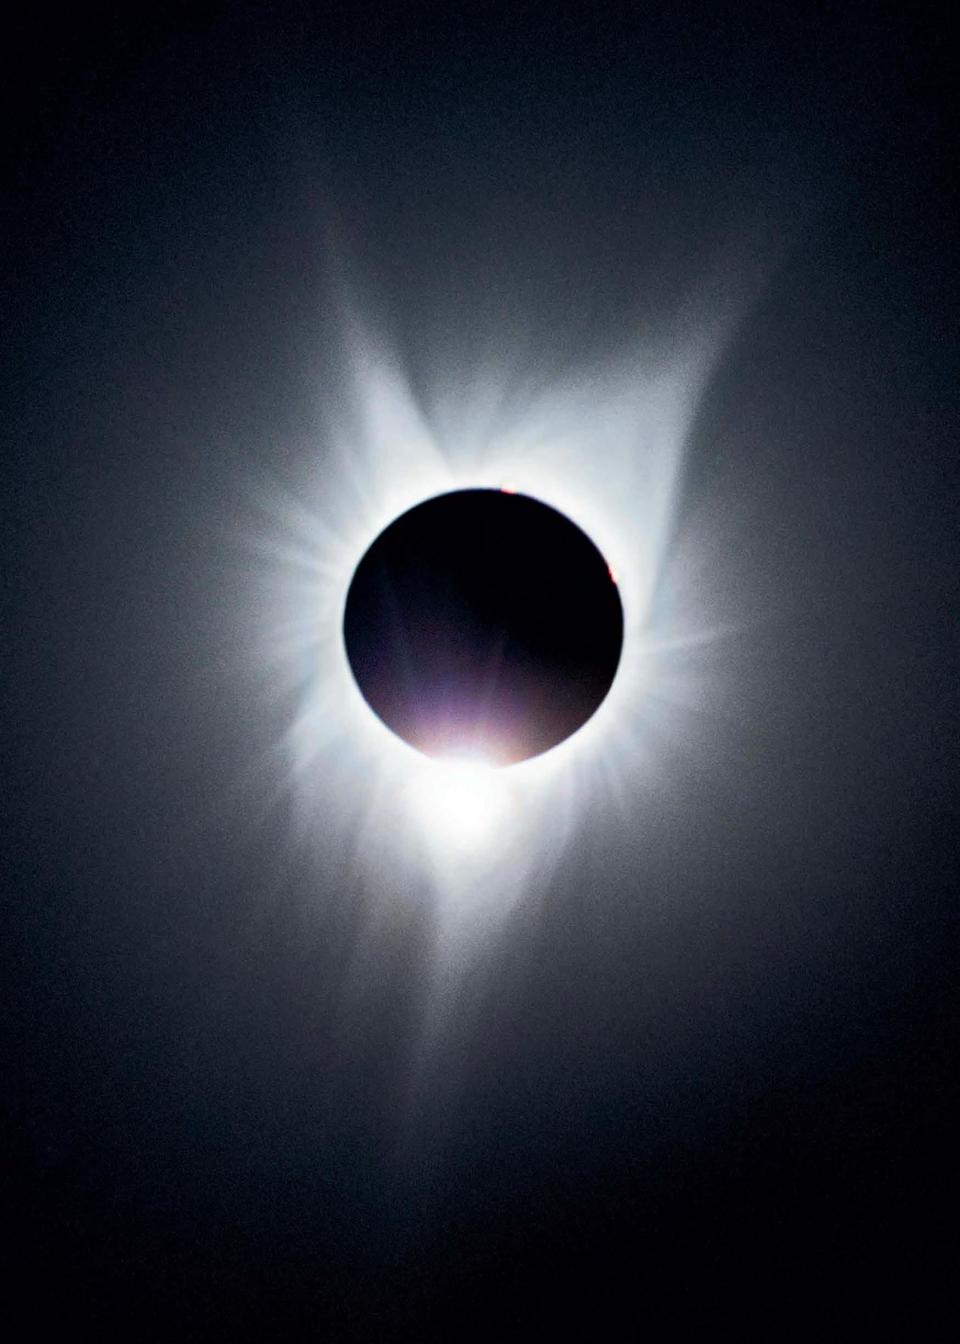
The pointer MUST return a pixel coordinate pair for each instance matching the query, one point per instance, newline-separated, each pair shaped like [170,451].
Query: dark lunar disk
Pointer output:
[484,623]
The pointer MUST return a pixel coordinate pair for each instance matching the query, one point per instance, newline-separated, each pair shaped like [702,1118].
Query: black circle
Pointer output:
[483,622]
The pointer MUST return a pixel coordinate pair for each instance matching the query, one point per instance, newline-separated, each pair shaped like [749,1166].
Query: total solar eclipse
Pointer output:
[483,624]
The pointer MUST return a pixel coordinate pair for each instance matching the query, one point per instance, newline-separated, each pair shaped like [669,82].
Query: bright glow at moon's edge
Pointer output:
[604,447]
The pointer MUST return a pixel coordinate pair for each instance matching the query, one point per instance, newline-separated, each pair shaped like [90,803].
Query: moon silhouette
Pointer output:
[483,624]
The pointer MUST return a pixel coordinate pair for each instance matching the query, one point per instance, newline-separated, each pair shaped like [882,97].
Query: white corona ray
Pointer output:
[463,842]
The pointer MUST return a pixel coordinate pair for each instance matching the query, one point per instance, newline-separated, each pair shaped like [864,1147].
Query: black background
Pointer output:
[705,1092]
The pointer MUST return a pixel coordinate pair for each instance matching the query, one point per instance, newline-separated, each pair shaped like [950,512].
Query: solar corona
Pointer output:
[476,631]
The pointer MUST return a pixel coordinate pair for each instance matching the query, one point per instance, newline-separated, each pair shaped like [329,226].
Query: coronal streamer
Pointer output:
[603,447]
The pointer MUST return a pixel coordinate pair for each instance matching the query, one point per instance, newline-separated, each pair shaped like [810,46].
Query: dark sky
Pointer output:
[702,1089]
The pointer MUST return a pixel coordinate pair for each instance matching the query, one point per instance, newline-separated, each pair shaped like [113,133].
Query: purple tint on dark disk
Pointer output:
[483,623]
